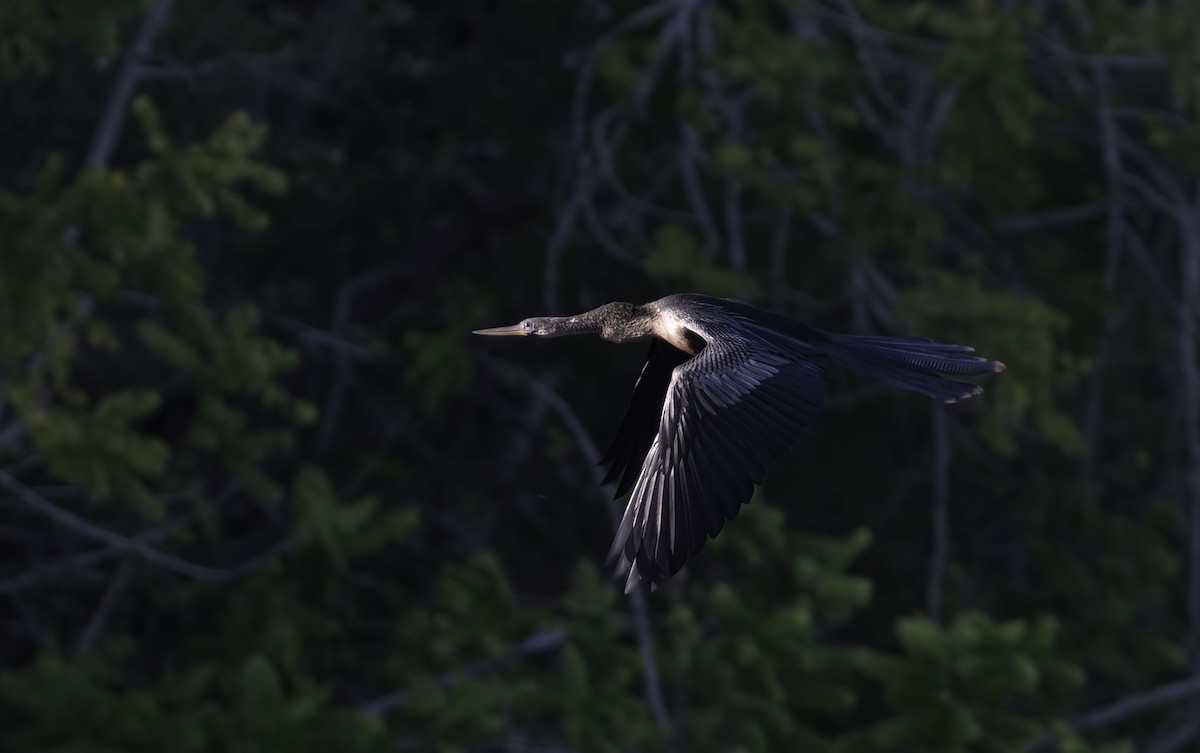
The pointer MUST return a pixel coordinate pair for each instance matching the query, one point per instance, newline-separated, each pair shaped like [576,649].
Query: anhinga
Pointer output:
[727,388]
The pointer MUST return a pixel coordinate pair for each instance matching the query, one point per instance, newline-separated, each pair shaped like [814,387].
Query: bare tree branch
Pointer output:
[1052,218]
[94,532]
[270,68]
[673,33]
[537,643]
[605,239]
[733,220]
[1125,707]
[343,368]
[109,600]
[1178,737]
[1163,294]
[778,256]
[1189,346]
[118,101]
[582,168]
[1093,416]
[557,244]
[1112,171]
[859,31]
[522,744]
[95,556]
[690,154]
[941,512]
[642,628]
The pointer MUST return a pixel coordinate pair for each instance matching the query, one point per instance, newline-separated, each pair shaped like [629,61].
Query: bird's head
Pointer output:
[536,325]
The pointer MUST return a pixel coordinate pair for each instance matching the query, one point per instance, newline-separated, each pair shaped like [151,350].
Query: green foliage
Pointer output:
[36,31]
[83,706]
[469,618]
[761,675]
[436,365]
[98,449]
[677,257]
[1023,333]
[240,347]
[958,688]
[597,661]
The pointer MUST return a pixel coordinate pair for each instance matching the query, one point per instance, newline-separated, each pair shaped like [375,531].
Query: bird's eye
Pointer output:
[527,325]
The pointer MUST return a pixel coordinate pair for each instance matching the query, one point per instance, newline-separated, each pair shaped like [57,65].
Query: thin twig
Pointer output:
[118,101]
[778,255]
[1075,214]
[87,559]
[109,600]
[567,218]
[673,33]
[941,512]
[690,154]
[331,412]
[1163,294]
[642,628]
[1125,707]
[1189,345]
[135,546]
[1112,171]
[537,643]
[733,220]
[1093,416]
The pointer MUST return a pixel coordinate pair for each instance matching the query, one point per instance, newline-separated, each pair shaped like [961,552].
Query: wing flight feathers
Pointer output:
[640,424]
[725,414]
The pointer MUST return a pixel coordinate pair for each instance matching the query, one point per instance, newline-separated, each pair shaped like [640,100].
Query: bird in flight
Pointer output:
[726,389]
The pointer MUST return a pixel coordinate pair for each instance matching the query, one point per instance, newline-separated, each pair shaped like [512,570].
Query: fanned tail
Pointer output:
[913,363]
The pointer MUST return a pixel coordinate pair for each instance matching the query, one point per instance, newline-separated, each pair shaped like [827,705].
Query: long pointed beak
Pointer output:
[509,331]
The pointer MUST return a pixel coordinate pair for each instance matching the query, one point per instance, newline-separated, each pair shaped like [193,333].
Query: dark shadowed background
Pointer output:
[260,490]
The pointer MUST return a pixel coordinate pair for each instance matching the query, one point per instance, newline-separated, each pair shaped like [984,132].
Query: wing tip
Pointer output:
[632,581]
[974,391]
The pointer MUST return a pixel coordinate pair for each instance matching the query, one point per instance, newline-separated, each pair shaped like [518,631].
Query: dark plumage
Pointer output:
[726,389]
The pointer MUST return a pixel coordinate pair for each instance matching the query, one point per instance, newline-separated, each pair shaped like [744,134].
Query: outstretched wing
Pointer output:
[728,411]
[629,447]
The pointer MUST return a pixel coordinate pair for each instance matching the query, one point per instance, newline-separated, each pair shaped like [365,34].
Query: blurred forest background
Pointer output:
[260,490]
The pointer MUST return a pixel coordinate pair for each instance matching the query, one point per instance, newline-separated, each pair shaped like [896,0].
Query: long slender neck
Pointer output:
[617,322]
[623,322]
[558,326]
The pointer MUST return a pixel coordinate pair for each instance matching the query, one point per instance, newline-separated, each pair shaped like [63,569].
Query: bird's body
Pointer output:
[727,388]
